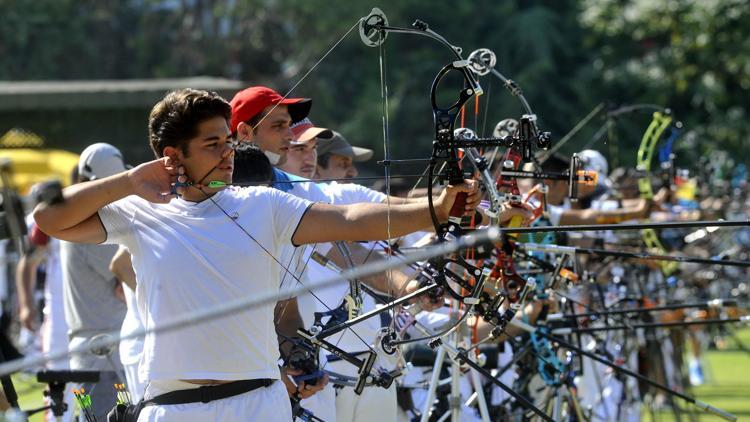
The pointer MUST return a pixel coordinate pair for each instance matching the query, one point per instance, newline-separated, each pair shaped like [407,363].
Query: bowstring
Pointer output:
[314,66]
[387,168]
[285,96]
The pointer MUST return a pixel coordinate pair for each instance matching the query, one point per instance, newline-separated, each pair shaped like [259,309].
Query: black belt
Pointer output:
[203,394]
[209,393]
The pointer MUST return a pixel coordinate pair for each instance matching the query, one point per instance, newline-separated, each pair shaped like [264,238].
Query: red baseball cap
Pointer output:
[251,101]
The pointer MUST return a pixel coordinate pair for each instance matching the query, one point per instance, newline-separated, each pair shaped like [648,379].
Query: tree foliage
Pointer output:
[690,56]
[567,55]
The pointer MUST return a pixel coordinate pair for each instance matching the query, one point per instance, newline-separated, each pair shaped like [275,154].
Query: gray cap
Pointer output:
[100,160]
[340,146]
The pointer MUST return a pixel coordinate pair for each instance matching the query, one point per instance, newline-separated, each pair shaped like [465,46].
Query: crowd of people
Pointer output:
[249,197]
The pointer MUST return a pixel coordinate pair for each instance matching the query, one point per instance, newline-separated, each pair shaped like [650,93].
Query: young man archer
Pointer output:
[209,246]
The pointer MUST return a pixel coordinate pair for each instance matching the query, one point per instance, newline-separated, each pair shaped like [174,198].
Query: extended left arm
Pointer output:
[366,221]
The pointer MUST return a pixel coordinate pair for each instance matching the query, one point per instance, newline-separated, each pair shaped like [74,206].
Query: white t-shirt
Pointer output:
[295,259]
[351,193]
[130,349]
[556,211]
[53,280]
[344,194]
[310,272]
[191,256]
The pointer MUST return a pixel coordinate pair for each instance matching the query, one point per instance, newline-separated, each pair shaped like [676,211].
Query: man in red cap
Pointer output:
[263,116]
[302,156]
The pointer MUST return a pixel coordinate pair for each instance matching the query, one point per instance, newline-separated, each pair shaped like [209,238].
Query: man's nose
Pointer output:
[352,172]
[289,135]
[227,150]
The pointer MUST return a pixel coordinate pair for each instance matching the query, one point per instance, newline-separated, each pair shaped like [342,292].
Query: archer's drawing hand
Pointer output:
[153,180]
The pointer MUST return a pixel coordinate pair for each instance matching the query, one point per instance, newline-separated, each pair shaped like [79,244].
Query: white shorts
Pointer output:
[263,404]
[322,404]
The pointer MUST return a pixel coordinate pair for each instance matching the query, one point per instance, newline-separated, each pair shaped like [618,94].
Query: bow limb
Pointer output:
[654,131]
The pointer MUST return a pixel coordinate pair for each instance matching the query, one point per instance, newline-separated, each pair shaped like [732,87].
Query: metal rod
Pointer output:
[635,255]
[244,303]
[716,303]
[650,325]
[523,401]
[639,226]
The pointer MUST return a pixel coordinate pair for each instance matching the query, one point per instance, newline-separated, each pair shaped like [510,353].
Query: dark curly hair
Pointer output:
[174,120]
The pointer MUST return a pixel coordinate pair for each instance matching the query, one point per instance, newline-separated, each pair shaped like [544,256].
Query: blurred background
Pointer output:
[73,72]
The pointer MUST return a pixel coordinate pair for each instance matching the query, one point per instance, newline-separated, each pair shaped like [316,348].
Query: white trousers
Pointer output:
[376,404]
[263,404]
[322,404]
[136,388]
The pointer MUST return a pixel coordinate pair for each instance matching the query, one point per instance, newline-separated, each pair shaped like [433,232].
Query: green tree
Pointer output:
[690,56]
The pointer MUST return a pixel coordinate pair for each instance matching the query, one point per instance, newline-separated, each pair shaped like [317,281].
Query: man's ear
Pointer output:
[244,132]
[173,153]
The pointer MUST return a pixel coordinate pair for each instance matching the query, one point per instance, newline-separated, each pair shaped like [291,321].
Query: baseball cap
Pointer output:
[340,146]
[251,101]
[593,160]
[305,130]
[100,160]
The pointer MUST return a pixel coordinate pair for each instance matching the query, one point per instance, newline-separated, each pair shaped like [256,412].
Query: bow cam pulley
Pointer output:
[371,28]
[482,61]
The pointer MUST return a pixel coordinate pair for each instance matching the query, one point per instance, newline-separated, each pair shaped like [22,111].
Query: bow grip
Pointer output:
[458,209]
[515,221]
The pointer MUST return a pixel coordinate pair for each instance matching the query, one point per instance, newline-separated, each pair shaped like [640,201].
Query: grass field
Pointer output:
[727,383]
[727,386]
